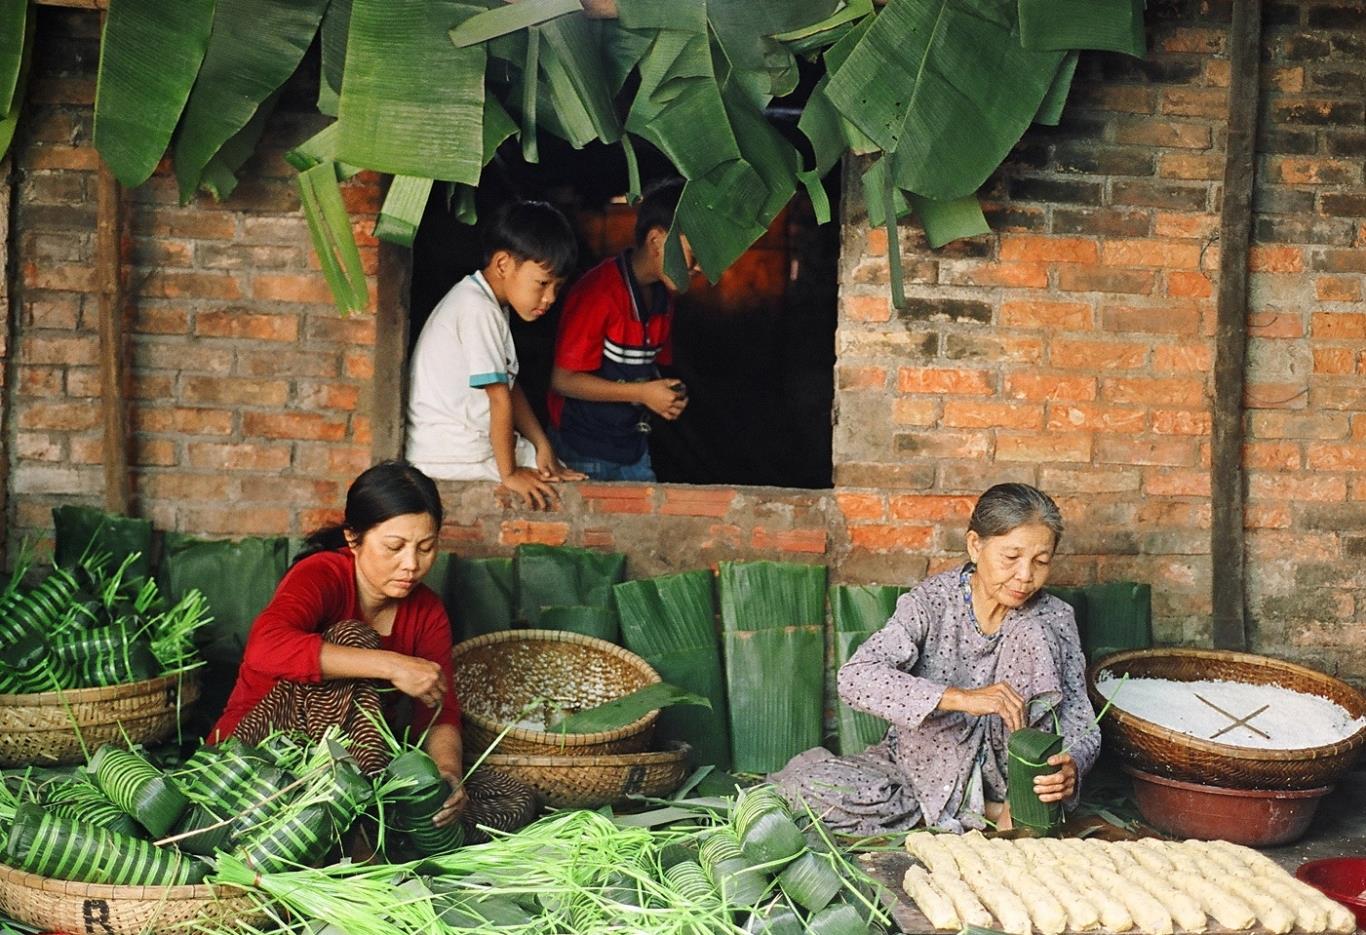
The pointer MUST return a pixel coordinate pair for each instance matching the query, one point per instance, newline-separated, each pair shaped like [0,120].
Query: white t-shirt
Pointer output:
[465,346]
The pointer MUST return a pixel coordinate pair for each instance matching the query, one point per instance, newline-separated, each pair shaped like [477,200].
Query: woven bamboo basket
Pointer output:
[66,906]
[594,781]
[1166,752]
[499,674]
[38,728]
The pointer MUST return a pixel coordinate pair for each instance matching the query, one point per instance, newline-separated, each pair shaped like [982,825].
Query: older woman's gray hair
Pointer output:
[1006,507]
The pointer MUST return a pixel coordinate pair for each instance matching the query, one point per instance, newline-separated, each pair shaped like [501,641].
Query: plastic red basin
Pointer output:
[1339,878]
[1255,817]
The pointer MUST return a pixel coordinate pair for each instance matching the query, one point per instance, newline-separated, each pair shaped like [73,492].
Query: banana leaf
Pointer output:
[771,595]
[319,148]
[65,849]
[411,102]
[670,623]
[918,85]
[149,57]
[1111,25]
[559,576]
[213,833]
[333,33]
[1076,597]
[254,47]
[502,20]
[9,116]
[86,530]
[759,62]
[1028,750]
[813,36]
[298,838]
[946,221]
[1119,616]
[334,244]
[14,16]
[774,683]
[1050,111]
[531,92]
[415,805]
[78,798]
[139,788]
[857,612]
[220,174]
[558,105]
[574,46]
[481,596]
[627,709]
[403,208]
[600,622]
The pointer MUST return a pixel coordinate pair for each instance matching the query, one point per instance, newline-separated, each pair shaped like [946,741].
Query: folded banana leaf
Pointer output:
[139,788]
[215,834]
[774,683]
[670,622]
[415,805]
[762,595]
[561,576]
[85,530]
[64,849]
[298,838]
[1028,750]
[858,611]
[600,622]
[480,596]
[1119,616]
[80,799]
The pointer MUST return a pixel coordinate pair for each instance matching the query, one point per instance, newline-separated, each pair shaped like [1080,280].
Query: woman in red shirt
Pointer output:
[352,615]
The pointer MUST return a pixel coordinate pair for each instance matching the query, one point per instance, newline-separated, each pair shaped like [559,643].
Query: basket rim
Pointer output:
[202,891]
[678,751]
[71,696]
[1228,751]
[547,738]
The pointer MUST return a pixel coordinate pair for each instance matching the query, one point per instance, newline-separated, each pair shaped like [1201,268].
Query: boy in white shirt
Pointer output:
[467,417]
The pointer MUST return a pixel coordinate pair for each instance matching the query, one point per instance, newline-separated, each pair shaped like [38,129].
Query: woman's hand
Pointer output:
[420,679]
[1059,786]
[454,806]
[998,699]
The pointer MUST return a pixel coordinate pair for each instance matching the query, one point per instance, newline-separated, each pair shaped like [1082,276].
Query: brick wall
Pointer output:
[1071,349]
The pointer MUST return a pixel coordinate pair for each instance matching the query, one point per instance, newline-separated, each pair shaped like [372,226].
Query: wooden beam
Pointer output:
[109,280]
[1227,557]
[387,387]
[76,4]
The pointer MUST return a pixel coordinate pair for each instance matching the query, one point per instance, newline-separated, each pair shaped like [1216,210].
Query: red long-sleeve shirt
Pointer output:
[285,643]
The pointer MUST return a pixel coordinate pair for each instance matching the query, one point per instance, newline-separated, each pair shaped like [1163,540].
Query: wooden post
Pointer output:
[1230,341]
[391,350]
[109,282]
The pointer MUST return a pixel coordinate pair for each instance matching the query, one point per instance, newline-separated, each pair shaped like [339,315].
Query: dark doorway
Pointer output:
[756,350]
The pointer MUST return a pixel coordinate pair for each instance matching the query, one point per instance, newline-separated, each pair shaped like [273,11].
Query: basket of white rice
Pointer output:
[1228,719]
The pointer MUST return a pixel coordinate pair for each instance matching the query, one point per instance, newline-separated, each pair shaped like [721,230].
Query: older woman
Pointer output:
[970,655]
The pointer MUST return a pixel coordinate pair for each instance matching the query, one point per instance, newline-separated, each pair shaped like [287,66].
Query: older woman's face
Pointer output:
[1013,567]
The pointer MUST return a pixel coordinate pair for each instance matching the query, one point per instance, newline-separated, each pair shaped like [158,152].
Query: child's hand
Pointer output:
[660,397]
[553,469]
[527,484]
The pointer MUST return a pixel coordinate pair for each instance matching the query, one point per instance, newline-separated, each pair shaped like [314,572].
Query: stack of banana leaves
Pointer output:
[122,820]
[713,866]
[93,624]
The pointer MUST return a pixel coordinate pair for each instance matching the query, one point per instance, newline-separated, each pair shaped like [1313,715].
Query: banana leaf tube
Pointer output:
[739,881]
[298,837]
[139,788]
[766,829]
[64,849]
[1028,750]
[29,667]
[810,882]
[106,656]
[82,800]
[213,831]
[422,791]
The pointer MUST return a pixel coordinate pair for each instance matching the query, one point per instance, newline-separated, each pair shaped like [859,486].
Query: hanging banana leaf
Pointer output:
[220,174]
[318,148]
[498,126]
[857,612]
[149,57]
[502,20]
[531,92]
[1050,111]
[760,65]
[13,32]
[874,183]
[599,622]
[946,221]
[9,115]
[412,103]
[622,51]
[813,36]
[255,45]
[1111,25]
[918,85]
[335,244]
[462,204]
[559,107]
[403,208]
[336,24]
[575,46]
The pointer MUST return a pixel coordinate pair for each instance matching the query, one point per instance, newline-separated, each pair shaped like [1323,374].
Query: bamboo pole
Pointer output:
[109,282]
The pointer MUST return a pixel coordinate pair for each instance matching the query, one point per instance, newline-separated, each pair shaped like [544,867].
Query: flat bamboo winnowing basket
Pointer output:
[67,906]
[40,729]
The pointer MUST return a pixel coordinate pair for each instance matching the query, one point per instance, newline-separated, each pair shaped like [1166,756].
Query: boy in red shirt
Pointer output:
[614,332]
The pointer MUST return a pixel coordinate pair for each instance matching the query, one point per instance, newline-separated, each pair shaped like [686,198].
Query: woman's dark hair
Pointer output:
[1009,506]
[532,230]
[657,207]
[389,489]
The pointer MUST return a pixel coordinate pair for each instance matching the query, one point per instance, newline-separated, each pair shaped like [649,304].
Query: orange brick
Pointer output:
[888,538]
[1162,254]
[307,426]
[1069,316]
[1264,516]
[234,391]
[1063,417]
[862,378]
[1312,487]
[1183,358]
[168,284]
[1338,326]
[241,457]
[1042,249]
[1042,386]
[454,536]
[697,501]
[1175,483]
[1012,275]
[1184,226]
[1100,279]
[875,244]
[979,415]
[1174,452]
[519,531]
[186,420]
[59,416]
[153,320]
[870,308]
[1193,166]
[280,287]
[614,498]
[598,539]
[343,396]
[861,506]
[939,380]
[1169,391]
[1096,355]
[359,365]
[804,541]
[1194,102]
[915,410]
[1264,258]
[239,323]
[1180,422]
[1334,360]
[1271,456]
[1276,396]
[1172,318]
[1065,446]
[1337,289]
[1277,324]
[76,158]
[1314,170]
[942,444]
[1168,134]
[60,278]
[1325,457]
[933,509]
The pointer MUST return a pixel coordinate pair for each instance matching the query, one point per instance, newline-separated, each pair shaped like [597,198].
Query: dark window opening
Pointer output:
[756,350]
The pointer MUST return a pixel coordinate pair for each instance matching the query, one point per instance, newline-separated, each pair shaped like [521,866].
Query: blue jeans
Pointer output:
[597,468]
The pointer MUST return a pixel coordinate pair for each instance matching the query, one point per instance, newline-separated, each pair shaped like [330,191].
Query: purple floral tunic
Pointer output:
[939,767]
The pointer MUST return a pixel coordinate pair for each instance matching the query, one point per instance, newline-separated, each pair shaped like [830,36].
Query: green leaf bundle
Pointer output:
[560,576]
[857,612]
[424,790]
[738,879]
[80,799]
[298,837]
[767,833]
[64,849]
[481,596]
[1028,750]
[139,788]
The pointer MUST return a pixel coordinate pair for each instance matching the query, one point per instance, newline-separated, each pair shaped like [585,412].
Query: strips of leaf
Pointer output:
[239,74]
[13,32]
[220,174]
[918,85]
[330,228]
[149,57]
[509,18]
[403,208]
[9,119]
[564,113]
[1050,111]
[336,25]
[318,148]
[576,42]
[1112,25]
[412,103]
